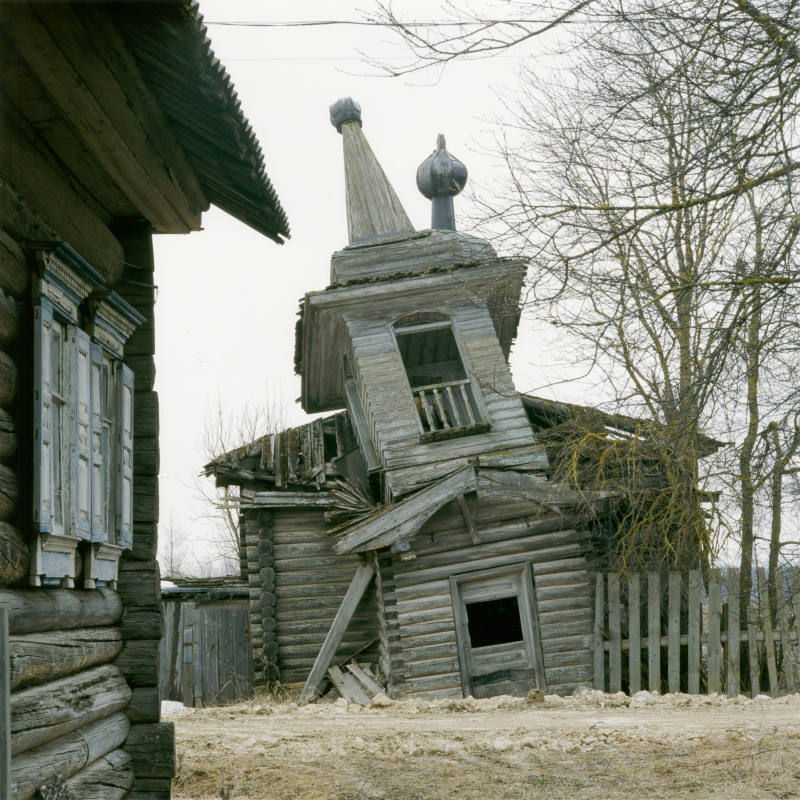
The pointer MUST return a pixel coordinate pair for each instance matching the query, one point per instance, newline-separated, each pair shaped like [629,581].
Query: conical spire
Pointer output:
[373,208]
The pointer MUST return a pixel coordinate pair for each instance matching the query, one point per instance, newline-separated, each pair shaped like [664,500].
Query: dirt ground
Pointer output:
[586,747]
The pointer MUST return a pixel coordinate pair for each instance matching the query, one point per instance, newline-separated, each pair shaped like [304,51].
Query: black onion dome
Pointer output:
[441,174]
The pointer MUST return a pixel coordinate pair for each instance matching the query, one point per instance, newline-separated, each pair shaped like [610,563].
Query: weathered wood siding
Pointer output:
[206,653]
[310,582]
[390,408]
[426,663]
[67,693]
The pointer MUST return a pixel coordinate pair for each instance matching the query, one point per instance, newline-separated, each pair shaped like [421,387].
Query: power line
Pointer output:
[377,24]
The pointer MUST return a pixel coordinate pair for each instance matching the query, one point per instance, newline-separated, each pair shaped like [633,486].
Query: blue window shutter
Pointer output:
[125,455]
[43,419]
[81,499]
[101,451]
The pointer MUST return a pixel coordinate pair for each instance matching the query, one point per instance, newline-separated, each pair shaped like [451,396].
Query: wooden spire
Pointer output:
[373,208]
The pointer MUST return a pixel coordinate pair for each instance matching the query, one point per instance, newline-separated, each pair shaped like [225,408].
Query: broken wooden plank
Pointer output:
[365,679]
[349,687]
[404,519]
[468,519]
[361,580]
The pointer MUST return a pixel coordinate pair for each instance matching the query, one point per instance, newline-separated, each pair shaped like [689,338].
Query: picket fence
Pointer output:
[681,635]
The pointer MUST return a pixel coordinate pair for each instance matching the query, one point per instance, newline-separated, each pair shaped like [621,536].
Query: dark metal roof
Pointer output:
[173,51]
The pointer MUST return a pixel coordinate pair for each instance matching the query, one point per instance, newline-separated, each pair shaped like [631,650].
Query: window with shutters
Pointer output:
[83,425]
[448,404]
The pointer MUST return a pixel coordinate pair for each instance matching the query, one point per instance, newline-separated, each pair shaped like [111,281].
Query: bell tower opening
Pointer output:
[443,393]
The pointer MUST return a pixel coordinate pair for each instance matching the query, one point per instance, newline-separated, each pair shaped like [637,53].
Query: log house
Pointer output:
[415,525]
[118,122]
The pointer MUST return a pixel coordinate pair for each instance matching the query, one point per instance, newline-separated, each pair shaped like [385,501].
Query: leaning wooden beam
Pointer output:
[361,580]
[403,519]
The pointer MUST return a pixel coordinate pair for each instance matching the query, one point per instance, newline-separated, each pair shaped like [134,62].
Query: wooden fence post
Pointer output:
[599,636]
[674,632]
[695,619]
[769,641]
[653,632]
[714,640]
[786,635]
[734,673]
[634,642]
[614,635]
[752,646]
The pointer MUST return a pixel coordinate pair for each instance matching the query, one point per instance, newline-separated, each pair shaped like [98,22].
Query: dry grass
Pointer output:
[579,749]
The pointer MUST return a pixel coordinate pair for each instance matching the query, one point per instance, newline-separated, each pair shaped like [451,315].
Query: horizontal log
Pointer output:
[59,609]
[14,269]
[144,372]
[146,456]
[108,778]
[152,748]
[8,436]
[145,498]
[139,661]
[139,583]
[40,657]
[9,318]
[145,705]
[141,623]
[145,541]
[14,556]
[67,755]
[50,710]
[145,415]
[9,492]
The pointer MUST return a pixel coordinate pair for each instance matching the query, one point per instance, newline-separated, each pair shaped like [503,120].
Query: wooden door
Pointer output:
[497,631]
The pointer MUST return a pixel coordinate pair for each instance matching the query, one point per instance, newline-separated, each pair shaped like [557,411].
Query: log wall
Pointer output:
[67,694]
[139,579]
[14,289]
[425,660]
[310,582]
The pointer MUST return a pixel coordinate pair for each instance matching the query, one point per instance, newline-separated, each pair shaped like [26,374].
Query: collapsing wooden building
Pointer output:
[116,122]
[416,524]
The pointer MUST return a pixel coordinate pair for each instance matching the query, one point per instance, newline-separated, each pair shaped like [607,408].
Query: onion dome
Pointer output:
[345,110]
[440,177]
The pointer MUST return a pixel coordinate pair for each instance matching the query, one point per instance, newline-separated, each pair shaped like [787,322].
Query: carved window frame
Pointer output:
[83,547]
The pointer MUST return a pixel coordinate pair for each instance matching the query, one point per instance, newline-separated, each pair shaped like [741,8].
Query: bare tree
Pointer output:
[653,191]
[224,430]
[742,58]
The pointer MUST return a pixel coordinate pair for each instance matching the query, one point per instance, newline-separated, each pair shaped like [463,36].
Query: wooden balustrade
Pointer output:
[449,409]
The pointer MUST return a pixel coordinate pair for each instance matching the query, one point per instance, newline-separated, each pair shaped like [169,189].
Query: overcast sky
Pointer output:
[228,297]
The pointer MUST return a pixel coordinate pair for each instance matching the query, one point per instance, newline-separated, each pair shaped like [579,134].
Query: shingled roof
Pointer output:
[173,51]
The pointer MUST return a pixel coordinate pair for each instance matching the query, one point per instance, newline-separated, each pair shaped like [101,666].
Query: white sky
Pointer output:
[227,296]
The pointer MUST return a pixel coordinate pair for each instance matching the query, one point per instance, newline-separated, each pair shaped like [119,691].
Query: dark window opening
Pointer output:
[494,622]
[431,357]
